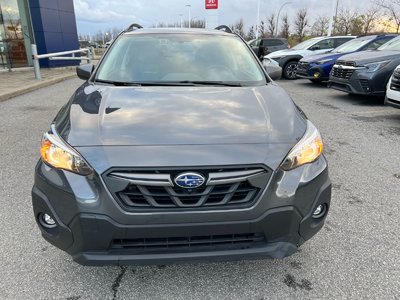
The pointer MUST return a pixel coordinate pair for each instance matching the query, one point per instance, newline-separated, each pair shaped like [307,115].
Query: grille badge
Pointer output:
[189,180]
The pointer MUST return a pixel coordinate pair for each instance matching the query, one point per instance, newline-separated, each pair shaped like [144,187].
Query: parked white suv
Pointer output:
[289,58]
[393,89]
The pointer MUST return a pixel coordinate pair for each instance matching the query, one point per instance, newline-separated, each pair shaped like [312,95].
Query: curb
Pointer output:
[35,86]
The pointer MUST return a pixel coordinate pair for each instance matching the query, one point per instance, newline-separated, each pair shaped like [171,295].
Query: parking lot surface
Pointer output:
[355,256]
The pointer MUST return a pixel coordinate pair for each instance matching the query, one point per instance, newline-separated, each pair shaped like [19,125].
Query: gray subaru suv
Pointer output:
[178,147]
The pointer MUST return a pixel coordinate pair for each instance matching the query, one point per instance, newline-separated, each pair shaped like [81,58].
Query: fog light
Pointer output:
[47,221]
[317,75]
[319,211]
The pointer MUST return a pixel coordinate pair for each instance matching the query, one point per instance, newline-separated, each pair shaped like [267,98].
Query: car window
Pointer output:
[306,44]
[392,45]
[272,42]
[324,44]
[376,44]
[180,57]
[352,45]
[341,41]
[255,43]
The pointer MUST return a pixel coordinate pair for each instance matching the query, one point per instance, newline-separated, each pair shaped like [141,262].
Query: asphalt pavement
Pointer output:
[355,256]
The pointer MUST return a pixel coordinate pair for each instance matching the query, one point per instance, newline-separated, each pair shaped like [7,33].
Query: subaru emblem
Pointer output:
[189,180]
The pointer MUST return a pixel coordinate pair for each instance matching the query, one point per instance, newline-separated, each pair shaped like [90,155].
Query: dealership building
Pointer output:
[50,24]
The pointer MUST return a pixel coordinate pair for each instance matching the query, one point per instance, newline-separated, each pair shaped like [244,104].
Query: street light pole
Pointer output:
[258,17]
[333,17]
[190,19]
[279,14]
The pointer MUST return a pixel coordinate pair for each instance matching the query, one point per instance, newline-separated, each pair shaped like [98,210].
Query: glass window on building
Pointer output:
[15,34]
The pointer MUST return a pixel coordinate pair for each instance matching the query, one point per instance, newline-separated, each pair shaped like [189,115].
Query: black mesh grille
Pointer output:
[157,190]
[302,68]
[194,242]
[365,84]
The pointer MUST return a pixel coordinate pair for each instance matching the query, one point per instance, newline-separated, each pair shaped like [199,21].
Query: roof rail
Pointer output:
[132,27]
[224,28]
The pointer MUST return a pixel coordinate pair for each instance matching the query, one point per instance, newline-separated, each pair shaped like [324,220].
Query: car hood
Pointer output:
[318,57]
[370,56]
[99,115]
[285,52]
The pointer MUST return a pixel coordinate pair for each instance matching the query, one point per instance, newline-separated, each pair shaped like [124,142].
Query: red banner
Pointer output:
[211,4]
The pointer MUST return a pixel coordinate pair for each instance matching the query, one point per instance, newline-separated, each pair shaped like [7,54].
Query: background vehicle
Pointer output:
[289,58]
[273,69]
[266,46]
[318,67]
[168,154]
[393,89]
[366,72]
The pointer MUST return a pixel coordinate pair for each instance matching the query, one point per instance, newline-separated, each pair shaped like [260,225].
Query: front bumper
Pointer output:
[360,83]
[95,230]
[310,73]
[392,96]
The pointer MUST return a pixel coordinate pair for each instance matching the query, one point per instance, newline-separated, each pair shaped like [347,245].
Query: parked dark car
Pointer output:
[318,67]
[366,72]
[264,46]
[167,156]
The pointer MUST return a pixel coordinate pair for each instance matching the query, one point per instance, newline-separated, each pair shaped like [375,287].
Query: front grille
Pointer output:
[302,68]
[155,189]
[341,73]
[242,240]
[395,85]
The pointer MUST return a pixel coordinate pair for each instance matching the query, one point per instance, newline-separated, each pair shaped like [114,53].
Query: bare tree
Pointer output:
[347,22]
[320,26]
[369,19]
[271,24]
[261,29]
[301,23]
[238,27]
[251,34]
[392,9]
[285,31]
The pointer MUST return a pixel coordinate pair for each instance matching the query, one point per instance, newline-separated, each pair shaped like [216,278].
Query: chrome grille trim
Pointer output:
[230,177]
[145,179]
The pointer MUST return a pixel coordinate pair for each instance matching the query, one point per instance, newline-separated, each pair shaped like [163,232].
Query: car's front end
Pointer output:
[393,90]
[364,73]
[168,171]
[316,67]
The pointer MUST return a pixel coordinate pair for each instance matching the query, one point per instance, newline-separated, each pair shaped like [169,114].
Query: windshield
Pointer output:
[393,44]
[352,45]
[180,58]
[306,44]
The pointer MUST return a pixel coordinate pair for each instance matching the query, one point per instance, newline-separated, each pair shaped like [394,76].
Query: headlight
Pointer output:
[324,61]
[307,150]
[56,153]
[371,68]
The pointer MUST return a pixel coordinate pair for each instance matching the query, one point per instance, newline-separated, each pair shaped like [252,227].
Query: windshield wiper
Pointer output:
[169,83]
[218,83]
[118,83]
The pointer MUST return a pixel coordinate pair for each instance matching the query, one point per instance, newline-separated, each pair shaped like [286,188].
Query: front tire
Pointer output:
[290,70]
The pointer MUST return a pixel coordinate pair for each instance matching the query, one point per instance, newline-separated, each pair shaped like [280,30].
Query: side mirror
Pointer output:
[273,68]
[84,71]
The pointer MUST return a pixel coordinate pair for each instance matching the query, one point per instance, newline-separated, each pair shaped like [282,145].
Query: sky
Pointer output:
[95,15]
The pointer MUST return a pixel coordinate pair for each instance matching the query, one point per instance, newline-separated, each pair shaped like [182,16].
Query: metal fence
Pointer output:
[59,56]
